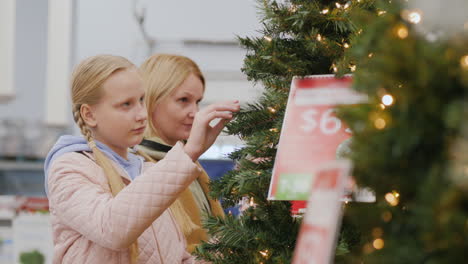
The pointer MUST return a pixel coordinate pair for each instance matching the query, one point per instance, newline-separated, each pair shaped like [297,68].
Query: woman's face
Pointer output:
[173,117]
[119,118]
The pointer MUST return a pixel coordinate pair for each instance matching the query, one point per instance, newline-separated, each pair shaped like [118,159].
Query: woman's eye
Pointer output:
[126,104]
[142,99]
[183,99]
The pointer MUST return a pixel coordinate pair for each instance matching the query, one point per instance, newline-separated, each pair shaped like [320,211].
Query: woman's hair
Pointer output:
[86,88]
[162,73]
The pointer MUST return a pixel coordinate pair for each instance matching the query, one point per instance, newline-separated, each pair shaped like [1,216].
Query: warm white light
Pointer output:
[381,12]
[380,123]
[338,5]
[319,37]
[402,32]
[378,243]
[267,38]
[414,17]
[464,61]
[353,68]
[346,45]
[387,100]
[391,199]
[325,11]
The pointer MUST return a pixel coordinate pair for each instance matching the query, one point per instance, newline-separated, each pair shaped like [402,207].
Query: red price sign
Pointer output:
[318,233]
[311,133]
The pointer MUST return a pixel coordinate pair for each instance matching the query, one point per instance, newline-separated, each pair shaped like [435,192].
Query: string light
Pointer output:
[370,55]
[412,16]
[251,203]
[338,5]
[387,100]
[348,4]
[382,106]
[325,11]
[264,253]
[335,69]
[319,37]
[380,123]
[353,68]
[346,45]
[381,12]
[378,243]
[267,38]
[402,32]
[359,32]
[392,198]
[273,129]
[293,8]
[271,109]
[464,62]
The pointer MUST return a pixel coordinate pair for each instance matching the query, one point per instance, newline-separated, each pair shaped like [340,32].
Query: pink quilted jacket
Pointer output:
[91,226]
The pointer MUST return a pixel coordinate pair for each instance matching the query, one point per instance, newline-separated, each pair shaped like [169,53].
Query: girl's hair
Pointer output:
[86,88]
[162,74]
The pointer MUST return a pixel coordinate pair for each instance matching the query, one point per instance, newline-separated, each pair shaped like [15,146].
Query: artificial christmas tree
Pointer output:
[299,38]
[408,144]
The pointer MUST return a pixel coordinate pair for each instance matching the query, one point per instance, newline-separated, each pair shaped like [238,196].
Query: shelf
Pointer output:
[7,165]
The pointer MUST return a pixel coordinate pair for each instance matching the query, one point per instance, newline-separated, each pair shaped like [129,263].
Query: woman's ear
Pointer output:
[88,115]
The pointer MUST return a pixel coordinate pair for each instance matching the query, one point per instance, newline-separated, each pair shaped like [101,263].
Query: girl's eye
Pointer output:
[126,104]
[198,102]
[183,99]
[142,99]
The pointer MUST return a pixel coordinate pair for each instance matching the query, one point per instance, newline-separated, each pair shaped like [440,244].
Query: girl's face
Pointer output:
[173,117]
[120,116]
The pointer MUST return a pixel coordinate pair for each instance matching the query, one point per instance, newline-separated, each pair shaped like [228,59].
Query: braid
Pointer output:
[86,88]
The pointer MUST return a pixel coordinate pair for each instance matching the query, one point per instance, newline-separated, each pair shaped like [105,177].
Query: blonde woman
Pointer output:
[174,87]
[107,205]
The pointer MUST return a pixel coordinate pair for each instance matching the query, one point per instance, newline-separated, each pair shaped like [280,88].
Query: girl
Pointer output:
[106,205]
[174,87]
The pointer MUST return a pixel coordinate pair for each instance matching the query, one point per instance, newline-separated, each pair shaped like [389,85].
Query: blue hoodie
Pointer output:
[70,143]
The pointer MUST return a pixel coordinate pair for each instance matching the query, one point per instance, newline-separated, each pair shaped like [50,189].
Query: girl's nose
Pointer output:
[142,114]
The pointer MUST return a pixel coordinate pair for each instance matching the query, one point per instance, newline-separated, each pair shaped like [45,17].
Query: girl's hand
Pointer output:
[202,135]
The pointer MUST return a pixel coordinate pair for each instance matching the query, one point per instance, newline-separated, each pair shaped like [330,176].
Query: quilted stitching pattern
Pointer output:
[91,226]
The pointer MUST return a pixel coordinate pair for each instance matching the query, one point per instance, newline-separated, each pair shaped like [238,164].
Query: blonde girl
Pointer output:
[107,205]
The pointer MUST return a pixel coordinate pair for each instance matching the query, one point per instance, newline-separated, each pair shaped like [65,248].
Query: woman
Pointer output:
[174,87]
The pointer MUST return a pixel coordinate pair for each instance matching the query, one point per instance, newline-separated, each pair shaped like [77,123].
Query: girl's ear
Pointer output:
[88,115]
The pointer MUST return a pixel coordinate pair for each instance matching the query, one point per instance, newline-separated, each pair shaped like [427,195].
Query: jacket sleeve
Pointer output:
[116,222]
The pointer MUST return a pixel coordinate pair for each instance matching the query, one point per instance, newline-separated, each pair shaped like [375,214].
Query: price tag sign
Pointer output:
[311,133]
[318,233]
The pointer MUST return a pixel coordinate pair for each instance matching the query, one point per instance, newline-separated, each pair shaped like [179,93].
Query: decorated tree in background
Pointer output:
[298,38]
[410,142]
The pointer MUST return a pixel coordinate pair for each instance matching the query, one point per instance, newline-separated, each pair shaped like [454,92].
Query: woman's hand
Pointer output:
[202,135]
